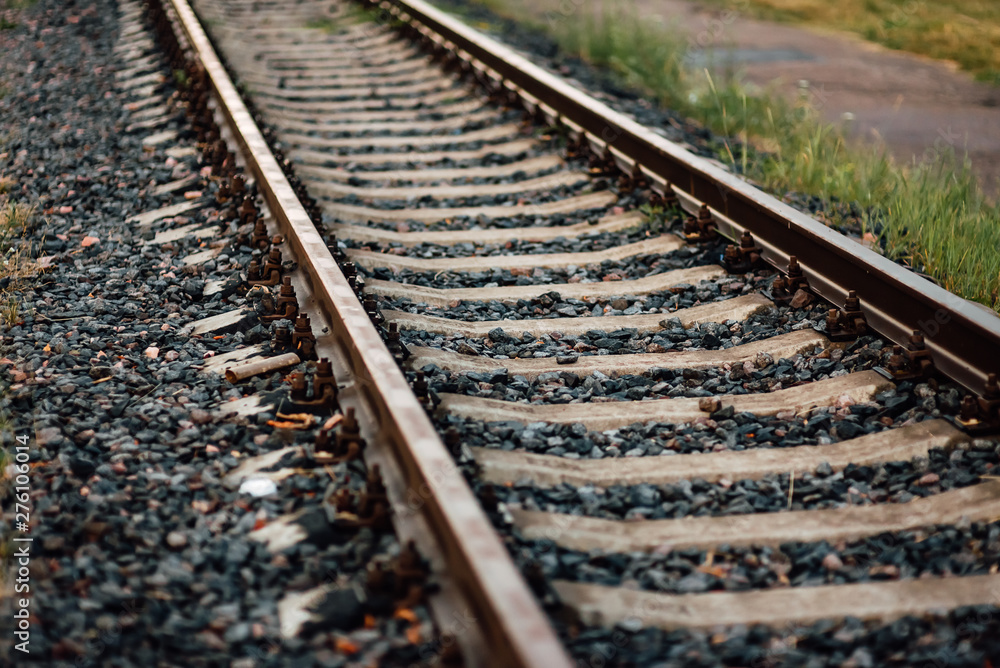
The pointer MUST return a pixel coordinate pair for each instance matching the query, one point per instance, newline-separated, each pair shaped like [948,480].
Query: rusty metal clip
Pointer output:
[370,508]
[299,390]
[395,344]
[780,294]
[421,389]
[409,567]
[599,166]
[908,363]
[324,393]
[794,277]
[249,212]
[271,273]
[346,443]
[629,183]
[335,249]
[702,228]
[259,239]
[325,384]
[253,271]
[374,493]
[981,415]
[349,435]
[287,305]
[793,288]
[282,339]
[303,340]
[223,194]
[371,308]
[846,324]
[743,258]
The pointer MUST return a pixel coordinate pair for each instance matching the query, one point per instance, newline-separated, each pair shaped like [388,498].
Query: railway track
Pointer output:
[613,429]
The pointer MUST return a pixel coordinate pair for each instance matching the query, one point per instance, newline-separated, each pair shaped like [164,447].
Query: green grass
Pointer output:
[10,311]
[16,261]
[354,15]
[15,217]
[964,31]
[325,24]
[181,79]
[931,215]
[11,8]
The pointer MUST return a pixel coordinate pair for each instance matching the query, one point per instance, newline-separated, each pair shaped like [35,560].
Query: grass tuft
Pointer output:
[16,259]
[10,310]
[181,79]
[10,8]
[325,24]
[15,217]
[354,15]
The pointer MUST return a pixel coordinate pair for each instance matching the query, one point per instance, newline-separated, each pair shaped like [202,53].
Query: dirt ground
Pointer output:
[918,106]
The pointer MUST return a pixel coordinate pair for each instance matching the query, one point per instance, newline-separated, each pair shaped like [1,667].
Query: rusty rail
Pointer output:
[516,630]
[963,338]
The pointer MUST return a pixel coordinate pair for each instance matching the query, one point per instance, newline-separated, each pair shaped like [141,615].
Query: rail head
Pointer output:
[517,630]
[963,337]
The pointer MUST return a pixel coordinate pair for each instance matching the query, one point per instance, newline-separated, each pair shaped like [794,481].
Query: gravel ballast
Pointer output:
[141,549]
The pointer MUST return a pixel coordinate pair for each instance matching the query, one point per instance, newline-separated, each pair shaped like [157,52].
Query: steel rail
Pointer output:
[516,629]
[963,337]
